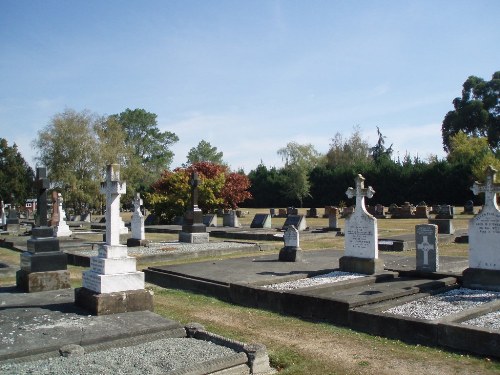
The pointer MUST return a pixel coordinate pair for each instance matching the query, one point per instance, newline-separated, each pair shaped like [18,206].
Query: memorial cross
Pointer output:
[194,182]
[137,204]
[425,247]
[360,192]
[42,184]
[490,189]
[112,188]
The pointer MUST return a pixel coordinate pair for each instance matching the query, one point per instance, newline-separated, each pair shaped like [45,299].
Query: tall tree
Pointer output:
[151,147]
[346,153]
[204,152]
[379,151]
[16,176]
[476,113]
[69,149]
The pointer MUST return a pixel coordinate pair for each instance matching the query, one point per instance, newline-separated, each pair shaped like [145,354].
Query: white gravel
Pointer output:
[451,302]
[332,277]
[155,357]
[490,321]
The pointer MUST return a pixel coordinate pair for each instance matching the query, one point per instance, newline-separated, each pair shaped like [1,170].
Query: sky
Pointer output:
[247,76]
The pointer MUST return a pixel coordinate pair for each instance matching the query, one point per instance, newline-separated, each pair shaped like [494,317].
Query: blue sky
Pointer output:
[247,76]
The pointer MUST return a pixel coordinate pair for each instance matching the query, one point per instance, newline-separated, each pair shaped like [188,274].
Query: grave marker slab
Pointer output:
[426,240]
[230,219]
[210,220]
[261,221]
[291,252]
[298,221]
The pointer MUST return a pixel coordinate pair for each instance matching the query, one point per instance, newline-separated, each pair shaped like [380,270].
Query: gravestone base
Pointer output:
[366,266]
[114,303]
[290,254]
[30,282]
[194,237]
[43,244]
[43,262]
[479,278]
[14,228]
[134,242]
[445,226]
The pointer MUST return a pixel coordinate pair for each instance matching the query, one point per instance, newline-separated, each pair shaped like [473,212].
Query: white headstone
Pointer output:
[291,237]
[113,270]
[361,236]
[484,228]
[4,217]
[62,228]
[138,219]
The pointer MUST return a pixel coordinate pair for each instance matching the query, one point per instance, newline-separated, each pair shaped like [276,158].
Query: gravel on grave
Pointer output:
[489,321]
[172,248]
[155,357]
[332,277]
[440,305]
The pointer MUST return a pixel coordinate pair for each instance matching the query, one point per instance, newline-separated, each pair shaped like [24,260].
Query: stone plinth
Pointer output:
[361,265]
[30,282]
[194,237]
[477,278]
[113,303]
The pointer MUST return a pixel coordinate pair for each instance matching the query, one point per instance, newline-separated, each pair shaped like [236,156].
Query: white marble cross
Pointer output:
[137,204]
[490,189]
[425,246]
[360,192]
[112,189]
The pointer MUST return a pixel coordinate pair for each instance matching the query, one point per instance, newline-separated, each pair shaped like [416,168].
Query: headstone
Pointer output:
[113,284]
[484,237]
[445,211]
[44,265]
[426,240]
[332,219]
[422,212]
[61,229]
[292,211]
[12,222]
[138,234]
[261,221]
[328,210]
[54,218]
[151,219]
[445,226]
[298,221]
[361,236]
[282,212]
[469,207]
[291,252]
[272,212]
[210,220]
[3,217]
[313,213]
[346,211]
[86,217]
[193,229]
[230,219]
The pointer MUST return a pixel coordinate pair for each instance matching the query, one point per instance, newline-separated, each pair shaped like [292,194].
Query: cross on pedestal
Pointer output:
[41,185]
[137,204]
[490,189]
[360,192]
[112,188]
[425,247]
[194,182]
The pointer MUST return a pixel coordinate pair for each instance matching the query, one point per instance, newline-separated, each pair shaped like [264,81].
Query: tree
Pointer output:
[350,152]
[204,152]
[379,151]
[69,149]
[16,176]
[476,113]
[151,147]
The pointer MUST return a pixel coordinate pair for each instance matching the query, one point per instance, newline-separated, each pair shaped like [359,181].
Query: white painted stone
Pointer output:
[361,233]
[484,228]
[112,283]
[117,251]
[106,266]
[137,223]
[113,188]
[62,228]
[291,237]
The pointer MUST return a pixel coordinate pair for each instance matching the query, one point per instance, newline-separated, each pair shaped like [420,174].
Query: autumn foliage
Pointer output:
[218,188]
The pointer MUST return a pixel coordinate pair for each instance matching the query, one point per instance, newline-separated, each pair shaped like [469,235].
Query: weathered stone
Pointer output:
[113,303]
[71,350]
[30,282]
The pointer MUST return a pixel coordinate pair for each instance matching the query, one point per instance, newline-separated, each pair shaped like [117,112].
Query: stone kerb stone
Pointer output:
[426,240]
[361,234]
[291,252]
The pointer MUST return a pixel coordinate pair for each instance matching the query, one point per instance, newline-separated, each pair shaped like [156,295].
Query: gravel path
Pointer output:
[451,302]
[490,321]
[156,357]
[332,277]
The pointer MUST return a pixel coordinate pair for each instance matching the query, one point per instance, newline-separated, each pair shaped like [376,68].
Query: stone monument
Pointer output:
[138,234]
[113,285]
[54,218]
[61,228]
[193,229]
[484,238]
[43,266]
[3,218]
[426,240]
[291,252]
[361,236]
[261,221]
[12,223]
[230,219]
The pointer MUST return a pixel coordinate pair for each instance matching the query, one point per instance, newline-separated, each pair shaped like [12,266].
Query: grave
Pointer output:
[445,226]
[361,236]
[444,211]
[12,222]
[346,211]
[427,247]
[113,285]
[230,219]
[193,229]
[406,211]
[298,221]
[291,252]
[210,220]
[312,213]
[61,227]
[422,211]
[484,237]
[292,211]
[54,217]
[469,207]
[43,266]
[332,219]
[3,218]
[261,221]
[329,210]
[281,212]
[272,212]
[138,236]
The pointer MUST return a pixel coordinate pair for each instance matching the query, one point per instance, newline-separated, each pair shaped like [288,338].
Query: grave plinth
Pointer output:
[484,237]
[44,265]
[291,252]
[193,229]
[361,236]
[113,284]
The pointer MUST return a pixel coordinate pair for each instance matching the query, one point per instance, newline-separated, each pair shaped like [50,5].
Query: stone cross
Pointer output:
[137,204]
[490,189]
[360,192]
[54,220]
[425,246]
[42,184]
[112,188]
[194,182]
